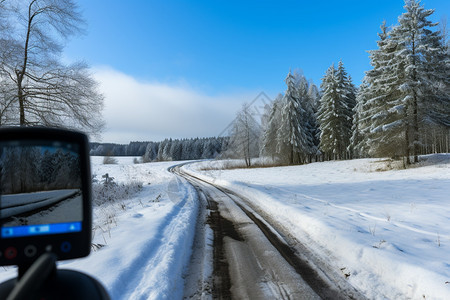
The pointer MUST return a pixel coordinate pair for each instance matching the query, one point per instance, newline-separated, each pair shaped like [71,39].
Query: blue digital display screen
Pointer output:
[42,229]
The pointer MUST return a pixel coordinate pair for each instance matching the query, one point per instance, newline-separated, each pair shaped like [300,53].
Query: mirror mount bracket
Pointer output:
[31,278]
[46,266]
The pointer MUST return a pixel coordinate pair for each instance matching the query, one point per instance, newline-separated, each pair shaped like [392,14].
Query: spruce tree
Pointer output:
[425,85]
[347,93]
[308,118]
[407,92]
[314,99]
[335,113]
[383,116]
[361,124]
[292,141]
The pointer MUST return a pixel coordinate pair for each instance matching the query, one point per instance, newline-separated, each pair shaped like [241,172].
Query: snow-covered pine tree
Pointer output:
[269,140]
[347,92]
[186,149]
[352,103]
[360,125]
[314,98]
[314,95]
[164,150]
[292,140]
[175,150]
[436,136]
[383,117]
[334,116]
[326,115]
[352,92]
[437,89]
[211,147]
[308,118]
[425,86]
[151,152]
[197,148]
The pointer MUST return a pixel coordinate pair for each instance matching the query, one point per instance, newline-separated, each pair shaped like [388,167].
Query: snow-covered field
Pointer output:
[388,231]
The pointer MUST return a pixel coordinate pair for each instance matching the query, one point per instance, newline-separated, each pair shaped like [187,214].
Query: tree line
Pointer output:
[111,149]
[33,169]
[167,150]
[402,108]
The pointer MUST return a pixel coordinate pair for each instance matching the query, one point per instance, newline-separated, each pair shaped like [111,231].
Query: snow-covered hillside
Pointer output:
[388,231]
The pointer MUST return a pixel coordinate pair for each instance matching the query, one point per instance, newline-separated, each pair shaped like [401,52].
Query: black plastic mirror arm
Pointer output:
[34,277]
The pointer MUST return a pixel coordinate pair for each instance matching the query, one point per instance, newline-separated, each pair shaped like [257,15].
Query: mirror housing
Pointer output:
[45,194]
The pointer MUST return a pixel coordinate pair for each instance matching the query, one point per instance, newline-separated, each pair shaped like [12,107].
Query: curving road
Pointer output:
[253,260]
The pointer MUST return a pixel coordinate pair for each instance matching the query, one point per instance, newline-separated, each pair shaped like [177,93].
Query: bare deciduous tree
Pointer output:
[36,87]
[245,136]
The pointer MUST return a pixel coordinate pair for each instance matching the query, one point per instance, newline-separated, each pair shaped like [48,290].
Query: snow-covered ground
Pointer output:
[388,231]
[144,242]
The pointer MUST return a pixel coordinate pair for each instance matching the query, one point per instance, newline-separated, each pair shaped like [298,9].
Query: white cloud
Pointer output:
[149,111]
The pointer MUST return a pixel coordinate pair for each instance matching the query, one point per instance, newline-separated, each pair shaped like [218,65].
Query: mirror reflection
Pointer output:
[40,183]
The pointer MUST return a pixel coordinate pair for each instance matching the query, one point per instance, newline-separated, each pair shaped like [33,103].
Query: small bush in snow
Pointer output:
[108,191]
[137,160]
[109,160]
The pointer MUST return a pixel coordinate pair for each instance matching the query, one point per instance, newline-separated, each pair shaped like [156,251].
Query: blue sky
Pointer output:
[222,51]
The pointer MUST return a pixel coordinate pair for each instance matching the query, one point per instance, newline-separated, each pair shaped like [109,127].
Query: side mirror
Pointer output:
[45,204]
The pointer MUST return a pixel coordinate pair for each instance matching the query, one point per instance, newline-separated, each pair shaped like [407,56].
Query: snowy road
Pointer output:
[42,207]
[252,260]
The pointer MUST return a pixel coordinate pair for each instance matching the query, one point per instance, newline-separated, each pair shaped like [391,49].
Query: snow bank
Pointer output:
[388,231]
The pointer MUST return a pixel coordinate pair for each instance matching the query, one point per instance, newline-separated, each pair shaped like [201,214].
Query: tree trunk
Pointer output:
[21,73]
[21,98]
[407,152]
[415,130]
[291,159]
[415,126]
